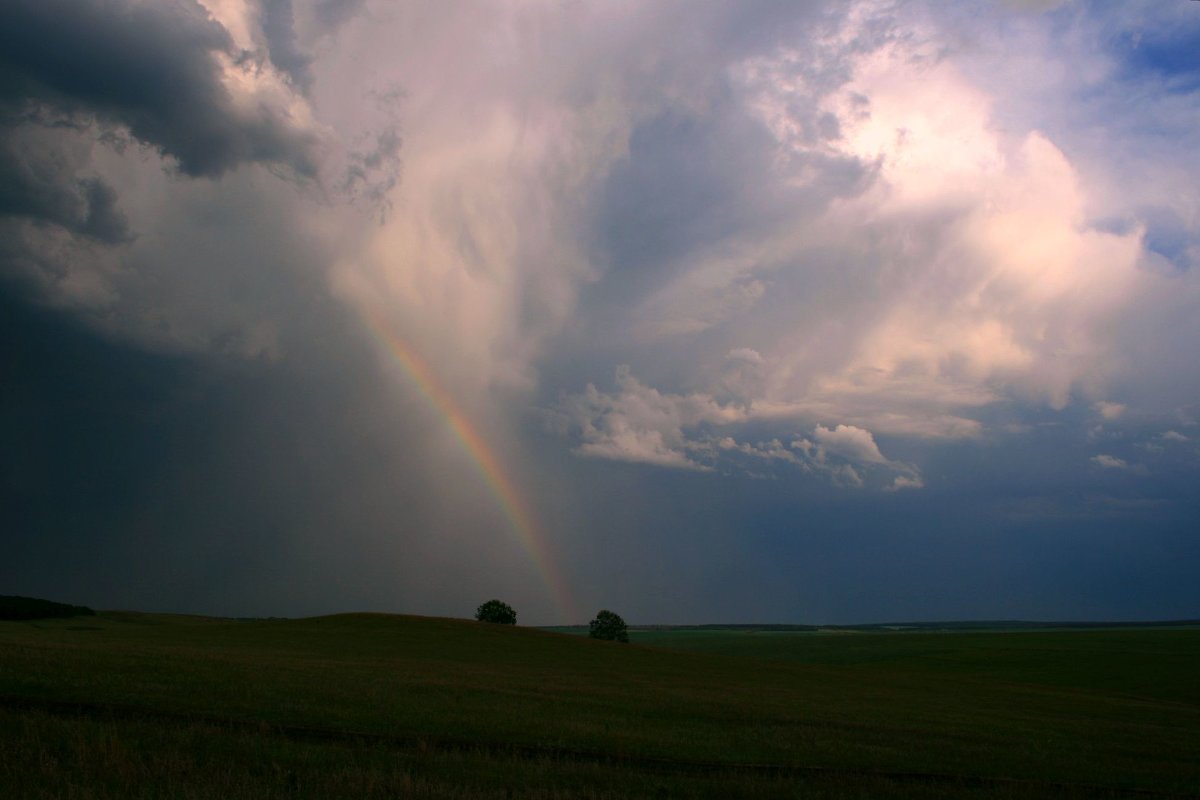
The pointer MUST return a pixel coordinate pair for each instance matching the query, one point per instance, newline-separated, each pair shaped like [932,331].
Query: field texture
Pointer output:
[134,705]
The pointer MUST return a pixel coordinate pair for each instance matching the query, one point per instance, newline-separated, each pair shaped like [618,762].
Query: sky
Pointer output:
[701,312]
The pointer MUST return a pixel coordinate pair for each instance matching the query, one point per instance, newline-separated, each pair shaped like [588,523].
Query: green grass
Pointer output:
[366,705]
[1146,662]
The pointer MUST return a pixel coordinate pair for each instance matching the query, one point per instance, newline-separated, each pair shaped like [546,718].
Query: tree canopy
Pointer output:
[496,612]
[608,625]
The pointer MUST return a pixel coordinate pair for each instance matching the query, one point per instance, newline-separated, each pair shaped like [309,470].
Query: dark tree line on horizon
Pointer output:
[15,607]
[606,625]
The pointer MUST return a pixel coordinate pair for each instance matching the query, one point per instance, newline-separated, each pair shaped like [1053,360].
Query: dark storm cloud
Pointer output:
[279,26]
[152,68]
[289,40]
[198,484]
[41,183]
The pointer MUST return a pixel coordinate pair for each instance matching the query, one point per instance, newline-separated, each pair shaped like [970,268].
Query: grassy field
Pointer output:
[134,705]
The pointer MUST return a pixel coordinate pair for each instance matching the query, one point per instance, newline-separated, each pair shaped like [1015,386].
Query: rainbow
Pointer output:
[483,457]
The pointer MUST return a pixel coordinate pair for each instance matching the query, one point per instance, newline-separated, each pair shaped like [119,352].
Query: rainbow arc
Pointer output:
[482,456]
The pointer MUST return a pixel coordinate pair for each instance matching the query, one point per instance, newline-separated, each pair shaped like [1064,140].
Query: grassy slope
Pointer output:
[445,702]
[1150,663]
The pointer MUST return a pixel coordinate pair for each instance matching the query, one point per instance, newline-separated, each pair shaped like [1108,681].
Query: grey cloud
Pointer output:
[150,67]
[332,14]
[103,220]
[372,172]
[1110,462]
[1109,410]
[279,28]
[773,450]
[855,453]
[746,354]
[104,102]
[638,423]
[1033,5]
[850,442]
[1169,237]
[701,185]
[187,483]
[294,30]
[901,482]
[39,181]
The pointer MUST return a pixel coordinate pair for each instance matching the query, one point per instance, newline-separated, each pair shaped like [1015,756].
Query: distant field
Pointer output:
[133,705]
[1146,662]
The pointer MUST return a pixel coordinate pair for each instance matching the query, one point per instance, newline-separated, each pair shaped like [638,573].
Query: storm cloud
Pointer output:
[819,312]
[166,72]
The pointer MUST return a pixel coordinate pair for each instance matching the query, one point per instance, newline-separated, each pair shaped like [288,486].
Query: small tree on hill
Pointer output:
[496,612]
[608,625]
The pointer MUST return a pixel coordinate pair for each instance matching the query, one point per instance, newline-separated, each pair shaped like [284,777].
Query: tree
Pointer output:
[497,612]
[608,625]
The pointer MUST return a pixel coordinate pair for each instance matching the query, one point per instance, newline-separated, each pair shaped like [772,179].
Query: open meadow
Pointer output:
[368,705]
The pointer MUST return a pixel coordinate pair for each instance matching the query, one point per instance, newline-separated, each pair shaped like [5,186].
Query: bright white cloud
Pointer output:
[1009,291]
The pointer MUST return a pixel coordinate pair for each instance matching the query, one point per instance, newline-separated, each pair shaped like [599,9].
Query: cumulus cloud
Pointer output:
[923,264]
[773,450]
[857,446]
[850,442]
[640,424]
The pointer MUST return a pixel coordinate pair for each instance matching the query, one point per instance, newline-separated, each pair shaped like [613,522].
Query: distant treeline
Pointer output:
[13,607]
[1012,624]
[973,625]
[716,626]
